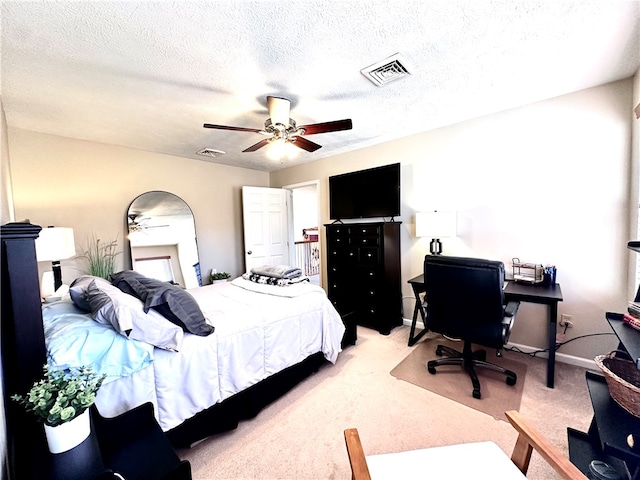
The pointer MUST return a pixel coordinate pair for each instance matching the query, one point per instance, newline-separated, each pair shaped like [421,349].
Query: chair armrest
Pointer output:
[530,439]
[511,309]
[357,460]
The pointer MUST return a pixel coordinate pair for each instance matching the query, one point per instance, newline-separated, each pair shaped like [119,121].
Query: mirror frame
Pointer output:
[169,254]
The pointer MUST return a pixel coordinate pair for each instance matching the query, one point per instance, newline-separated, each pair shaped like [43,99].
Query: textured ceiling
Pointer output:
[147,75]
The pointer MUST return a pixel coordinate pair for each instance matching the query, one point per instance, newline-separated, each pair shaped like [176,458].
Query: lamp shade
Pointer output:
[55,243]
[436,224]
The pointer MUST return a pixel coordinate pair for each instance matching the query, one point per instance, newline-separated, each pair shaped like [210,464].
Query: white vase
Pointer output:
[68,435]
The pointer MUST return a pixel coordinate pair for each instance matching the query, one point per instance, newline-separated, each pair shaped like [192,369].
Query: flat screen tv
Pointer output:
[374,192]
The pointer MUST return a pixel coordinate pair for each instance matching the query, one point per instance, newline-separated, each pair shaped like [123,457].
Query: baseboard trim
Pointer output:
[560,357]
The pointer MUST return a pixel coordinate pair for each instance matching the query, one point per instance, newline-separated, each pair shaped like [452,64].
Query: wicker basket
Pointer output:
[623,380]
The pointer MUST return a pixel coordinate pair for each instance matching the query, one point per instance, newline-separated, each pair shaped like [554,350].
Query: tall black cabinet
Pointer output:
[612,427]
[363,271]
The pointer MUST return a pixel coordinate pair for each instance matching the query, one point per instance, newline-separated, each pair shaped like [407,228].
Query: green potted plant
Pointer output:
[60,400]
[216,277]
[101,257]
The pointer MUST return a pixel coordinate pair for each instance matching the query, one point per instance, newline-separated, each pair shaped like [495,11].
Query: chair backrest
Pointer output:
[529,439]
[465,298]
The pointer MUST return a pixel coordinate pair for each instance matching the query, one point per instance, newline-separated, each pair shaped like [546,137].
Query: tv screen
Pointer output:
[374,192]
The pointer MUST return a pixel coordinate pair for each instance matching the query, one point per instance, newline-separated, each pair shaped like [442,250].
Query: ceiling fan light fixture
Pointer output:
[279,109]
[386,71]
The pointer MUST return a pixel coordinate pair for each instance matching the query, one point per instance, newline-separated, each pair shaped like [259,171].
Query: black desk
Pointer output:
[514,291]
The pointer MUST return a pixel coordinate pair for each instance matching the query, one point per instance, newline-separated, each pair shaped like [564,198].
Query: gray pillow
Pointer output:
[79,287]
[126,314]
[171,301]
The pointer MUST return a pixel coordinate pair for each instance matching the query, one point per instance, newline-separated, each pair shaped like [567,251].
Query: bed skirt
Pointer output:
[244,405]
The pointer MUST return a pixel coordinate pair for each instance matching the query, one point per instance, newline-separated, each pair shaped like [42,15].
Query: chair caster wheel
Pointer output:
[476,393]
[511,380]
[439,350]
[431,369]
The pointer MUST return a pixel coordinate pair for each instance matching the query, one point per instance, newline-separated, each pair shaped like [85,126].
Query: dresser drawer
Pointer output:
[370,275]
[339,270]
[342,256]
[366,241]
[369,255]
[365,230]
[337,240]
[339,290]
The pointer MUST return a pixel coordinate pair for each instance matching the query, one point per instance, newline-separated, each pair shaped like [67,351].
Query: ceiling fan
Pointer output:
[138,224]
[280,127]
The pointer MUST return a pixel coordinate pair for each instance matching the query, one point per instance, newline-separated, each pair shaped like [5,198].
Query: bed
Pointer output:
[256,343]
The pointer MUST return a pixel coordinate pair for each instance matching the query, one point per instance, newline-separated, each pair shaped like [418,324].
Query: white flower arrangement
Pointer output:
[62,394]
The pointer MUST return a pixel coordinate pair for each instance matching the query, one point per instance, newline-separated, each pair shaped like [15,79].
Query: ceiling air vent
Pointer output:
[386,71]
[210,152]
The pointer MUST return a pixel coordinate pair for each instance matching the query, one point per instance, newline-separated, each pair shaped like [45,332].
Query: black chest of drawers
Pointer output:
[363,271]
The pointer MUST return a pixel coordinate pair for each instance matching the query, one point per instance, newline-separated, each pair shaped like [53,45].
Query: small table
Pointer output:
[522,292]
[417,284]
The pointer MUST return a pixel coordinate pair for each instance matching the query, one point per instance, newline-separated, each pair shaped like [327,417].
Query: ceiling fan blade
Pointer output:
[305,144]
[258,145]
[279,110]
[325,127]
[227,127]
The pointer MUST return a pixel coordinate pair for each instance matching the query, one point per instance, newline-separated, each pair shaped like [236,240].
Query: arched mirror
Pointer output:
[162,237]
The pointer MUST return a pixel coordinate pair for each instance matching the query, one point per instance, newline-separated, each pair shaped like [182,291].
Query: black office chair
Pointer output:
[465,300]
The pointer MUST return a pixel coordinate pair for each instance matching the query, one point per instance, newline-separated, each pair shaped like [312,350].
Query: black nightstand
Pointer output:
[132,445]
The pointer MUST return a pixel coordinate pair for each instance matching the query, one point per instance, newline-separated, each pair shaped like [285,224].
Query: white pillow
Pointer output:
[125,313]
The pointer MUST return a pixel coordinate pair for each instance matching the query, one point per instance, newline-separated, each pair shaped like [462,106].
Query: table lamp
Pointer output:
[54,244]
[436,225]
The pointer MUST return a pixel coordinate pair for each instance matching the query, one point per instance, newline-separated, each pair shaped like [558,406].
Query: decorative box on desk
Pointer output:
[363,271]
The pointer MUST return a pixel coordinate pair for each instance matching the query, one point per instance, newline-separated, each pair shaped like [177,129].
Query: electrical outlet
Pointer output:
[566,320]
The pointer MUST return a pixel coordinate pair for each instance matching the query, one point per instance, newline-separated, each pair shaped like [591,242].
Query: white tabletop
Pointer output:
[480,460]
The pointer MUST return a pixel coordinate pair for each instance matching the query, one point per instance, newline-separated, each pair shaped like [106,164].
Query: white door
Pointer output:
[268,238]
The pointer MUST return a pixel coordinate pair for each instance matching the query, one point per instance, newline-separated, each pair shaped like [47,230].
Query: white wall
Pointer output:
[547,182]
[89,186]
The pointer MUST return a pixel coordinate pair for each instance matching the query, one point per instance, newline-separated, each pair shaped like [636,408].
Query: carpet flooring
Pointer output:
[300,436]
[453,382]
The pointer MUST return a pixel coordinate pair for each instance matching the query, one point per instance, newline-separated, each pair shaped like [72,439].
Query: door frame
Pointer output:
[292,187]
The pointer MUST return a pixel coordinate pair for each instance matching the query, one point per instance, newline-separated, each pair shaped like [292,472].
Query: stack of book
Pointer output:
[632,315]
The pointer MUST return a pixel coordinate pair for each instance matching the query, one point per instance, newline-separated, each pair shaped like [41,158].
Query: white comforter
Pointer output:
[256,335]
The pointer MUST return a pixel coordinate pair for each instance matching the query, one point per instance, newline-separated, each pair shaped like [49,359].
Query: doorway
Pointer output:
[306,228]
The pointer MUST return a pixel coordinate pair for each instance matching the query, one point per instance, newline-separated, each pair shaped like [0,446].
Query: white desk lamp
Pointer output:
[436,225]
[54,244]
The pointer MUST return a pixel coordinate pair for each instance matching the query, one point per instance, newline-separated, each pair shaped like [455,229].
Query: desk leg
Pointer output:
[551,361]
[418,308]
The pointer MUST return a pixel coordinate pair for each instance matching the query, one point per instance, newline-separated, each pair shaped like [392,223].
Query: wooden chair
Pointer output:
[426,460]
